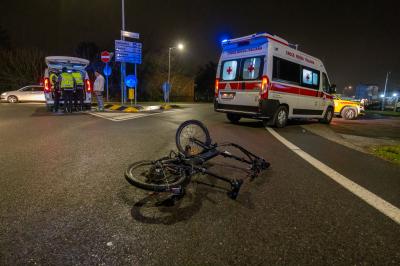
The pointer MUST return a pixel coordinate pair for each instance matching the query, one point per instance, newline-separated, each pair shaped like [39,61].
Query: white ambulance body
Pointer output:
[261,76]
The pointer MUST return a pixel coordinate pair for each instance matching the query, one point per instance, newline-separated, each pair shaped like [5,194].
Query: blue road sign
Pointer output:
[128,52]
[131,81]
[107,70]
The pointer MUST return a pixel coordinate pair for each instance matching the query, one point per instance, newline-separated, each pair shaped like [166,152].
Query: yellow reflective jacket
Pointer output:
[78,78]
[67,81]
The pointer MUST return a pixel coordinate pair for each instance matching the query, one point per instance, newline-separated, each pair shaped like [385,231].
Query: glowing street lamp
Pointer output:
[180,47]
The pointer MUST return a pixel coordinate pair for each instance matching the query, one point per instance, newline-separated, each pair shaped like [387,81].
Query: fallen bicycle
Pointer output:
[172,173]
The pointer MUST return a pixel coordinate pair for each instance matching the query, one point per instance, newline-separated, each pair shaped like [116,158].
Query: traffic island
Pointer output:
[139,108]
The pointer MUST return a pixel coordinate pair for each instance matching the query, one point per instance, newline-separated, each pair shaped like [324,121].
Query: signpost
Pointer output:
[131,82]
[105,57]
[128,52]
[133,35]
[107,72]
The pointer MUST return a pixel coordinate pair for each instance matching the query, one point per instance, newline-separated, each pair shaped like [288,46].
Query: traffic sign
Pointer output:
[105,56]
[128,34]
[131,81]
[128,52]
[107,70]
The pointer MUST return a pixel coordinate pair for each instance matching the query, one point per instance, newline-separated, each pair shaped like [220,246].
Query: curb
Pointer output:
[138,108]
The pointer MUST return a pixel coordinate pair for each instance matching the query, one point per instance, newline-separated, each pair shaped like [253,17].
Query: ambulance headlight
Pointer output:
[4,94]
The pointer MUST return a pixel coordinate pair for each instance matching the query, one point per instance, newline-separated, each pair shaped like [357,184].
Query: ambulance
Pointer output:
[264,77]
[54,66]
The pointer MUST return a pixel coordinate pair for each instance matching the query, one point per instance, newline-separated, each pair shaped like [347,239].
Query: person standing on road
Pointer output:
[78,96]
[56,90]
[98,89]
[67,85]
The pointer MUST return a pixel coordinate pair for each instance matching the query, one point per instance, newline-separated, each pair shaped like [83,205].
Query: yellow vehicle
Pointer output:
[347,109]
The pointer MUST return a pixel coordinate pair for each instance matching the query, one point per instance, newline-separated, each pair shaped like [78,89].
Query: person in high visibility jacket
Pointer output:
[67,85]
[56,90]
[79,90]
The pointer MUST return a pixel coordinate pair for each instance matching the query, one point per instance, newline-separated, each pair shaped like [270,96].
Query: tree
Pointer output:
[88,50]
[20,67]
[4,38]
[154,72]
[204,82]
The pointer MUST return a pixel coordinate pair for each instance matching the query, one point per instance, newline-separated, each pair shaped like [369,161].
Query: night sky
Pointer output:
[358,41]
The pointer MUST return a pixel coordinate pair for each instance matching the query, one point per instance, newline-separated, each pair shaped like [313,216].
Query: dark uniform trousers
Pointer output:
[68,98]
[78,97]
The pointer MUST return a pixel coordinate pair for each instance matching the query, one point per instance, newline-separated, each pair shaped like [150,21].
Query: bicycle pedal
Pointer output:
[177,191]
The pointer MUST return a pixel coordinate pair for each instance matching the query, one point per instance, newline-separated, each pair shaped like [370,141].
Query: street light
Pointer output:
[180,46]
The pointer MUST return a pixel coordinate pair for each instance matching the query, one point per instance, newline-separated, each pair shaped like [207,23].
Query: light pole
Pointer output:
[123,66]
[180,47]
[384,91]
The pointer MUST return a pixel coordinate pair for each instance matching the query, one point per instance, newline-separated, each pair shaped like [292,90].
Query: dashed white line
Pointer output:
[373,200]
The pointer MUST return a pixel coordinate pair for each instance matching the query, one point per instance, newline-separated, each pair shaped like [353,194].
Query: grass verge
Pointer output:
[384,113]
[390,153]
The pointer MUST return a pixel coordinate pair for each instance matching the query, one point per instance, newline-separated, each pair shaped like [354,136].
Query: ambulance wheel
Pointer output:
[349,113]
[328,116]
[280,117]
[234,118]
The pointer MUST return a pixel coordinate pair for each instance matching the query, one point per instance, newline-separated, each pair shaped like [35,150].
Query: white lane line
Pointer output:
[378,203]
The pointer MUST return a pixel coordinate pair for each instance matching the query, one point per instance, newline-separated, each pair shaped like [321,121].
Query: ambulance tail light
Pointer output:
[264,87]
[216,87]
[47,85]
[88,85]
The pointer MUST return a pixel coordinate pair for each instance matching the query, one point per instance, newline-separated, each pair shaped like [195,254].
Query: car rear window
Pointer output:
[229,69]
[251,68]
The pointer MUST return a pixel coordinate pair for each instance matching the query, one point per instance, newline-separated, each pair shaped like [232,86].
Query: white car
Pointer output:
[32,93]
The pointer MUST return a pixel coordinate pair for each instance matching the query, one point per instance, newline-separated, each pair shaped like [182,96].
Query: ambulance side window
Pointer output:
[325,83]
[284,70]
[310,78]
[229,69]
[251,68]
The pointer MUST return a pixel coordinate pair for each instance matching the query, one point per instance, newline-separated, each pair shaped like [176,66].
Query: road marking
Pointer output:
[119,116]
[373,200]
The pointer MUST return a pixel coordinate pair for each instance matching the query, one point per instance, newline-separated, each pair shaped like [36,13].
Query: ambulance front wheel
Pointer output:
[234,118]
[328,116]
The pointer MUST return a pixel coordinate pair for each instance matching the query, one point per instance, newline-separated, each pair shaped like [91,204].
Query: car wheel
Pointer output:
[280,117]
[12,99]
[328,116]
[234,118]
[349,113]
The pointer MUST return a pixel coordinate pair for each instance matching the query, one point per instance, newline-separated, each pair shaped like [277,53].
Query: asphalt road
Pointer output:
[64,199]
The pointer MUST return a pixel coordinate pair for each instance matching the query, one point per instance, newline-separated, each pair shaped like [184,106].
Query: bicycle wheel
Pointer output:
[155,176]
[187,132]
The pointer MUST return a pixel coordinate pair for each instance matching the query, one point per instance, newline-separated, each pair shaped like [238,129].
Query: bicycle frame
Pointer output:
[194,164]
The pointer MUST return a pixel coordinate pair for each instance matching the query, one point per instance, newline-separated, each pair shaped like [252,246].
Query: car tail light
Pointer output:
[46,85]
[88,86]
[216,87]
[264,87]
